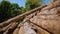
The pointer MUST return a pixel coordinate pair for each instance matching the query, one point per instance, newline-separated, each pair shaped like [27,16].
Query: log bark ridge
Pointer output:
[41,20]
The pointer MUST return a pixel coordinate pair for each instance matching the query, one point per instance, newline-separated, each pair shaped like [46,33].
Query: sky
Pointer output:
[22,2]
[19,2]
[45,1]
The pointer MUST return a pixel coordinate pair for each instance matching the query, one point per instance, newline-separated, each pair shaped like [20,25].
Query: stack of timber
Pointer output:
[41,20]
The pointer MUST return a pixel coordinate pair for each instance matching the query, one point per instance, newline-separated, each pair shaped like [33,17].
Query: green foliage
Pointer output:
[31,4]
[15,10]
[8,10]
[23,10]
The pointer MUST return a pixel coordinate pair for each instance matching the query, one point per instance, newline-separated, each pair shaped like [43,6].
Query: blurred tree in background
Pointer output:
[31,4]
[9,10]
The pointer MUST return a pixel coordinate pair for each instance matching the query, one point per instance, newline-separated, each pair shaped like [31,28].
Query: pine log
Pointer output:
[51,19]
[5,28]
[11,28]
[38,29]
[17,29]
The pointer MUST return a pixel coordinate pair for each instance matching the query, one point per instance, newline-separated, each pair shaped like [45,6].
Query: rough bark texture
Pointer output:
[41,20]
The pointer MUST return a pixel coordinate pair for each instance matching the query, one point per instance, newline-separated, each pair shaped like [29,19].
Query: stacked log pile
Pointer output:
[41,20]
